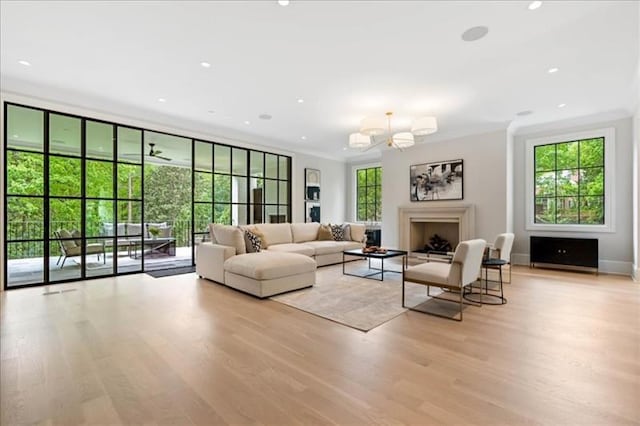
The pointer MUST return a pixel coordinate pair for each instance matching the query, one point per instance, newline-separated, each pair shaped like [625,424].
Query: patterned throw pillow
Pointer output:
[337,231]
[253,241]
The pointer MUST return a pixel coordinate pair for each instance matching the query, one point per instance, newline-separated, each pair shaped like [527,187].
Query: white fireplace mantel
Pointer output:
[463,214]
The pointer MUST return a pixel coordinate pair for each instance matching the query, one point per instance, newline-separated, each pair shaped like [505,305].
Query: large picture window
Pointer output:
[369,194]
[569,181]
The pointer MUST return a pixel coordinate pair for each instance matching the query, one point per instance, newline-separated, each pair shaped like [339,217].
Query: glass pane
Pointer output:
[99,140]
[371,176]
[65,261]
[283,211]
[545,210]
[222,214]
[64,176]
[129,145]
[271,192]
[283,192]
[362,195]
[257,164]
[377,191]
[64,215]
[362,212]
[99,220]
[592,210]
[362,177]
[567,155]
[271,166]
[64,134]
[545,184]
[592,152]
[25,173]
[592,181]
[567,210]
[239,189]
[272,214]
[203,186]
[567,182]
[204,156]
[284,167]
[25,218]
[238,214]
[100,254]
[239,161]
[545,157]
[257,192]
[25,128]
[378,175]
[25,263]
[167,150]
[99,180]
[203,216]
[129,220]
[222,159]
[222,188]
[129,181]
[256,213]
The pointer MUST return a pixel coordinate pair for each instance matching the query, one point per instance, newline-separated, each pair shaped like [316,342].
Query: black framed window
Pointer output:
[369,194]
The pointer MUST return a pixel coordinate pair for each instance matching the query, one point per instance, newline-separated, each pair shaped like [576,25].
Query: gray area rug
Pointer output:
[359,303]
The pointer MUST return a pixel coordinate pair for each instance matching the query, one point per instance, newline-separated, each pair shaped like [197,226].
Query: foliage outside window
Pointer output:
[369,194]
[570,182]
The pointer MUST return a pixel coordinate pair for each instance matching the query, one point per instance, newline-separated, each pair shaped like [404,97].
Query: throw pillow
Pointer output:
[358,231]
[324,233]
[165,232]
[337,232]
[77,237]
[346,229]
[232,236]
[253,242]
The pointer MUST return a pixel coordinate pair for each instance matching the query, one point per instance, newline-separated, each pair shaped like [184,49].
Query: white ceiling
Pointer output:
[345,59]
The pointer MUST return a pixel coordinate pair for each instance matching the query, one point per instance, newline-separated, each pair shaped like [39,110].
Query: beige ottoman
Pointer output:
[266,273]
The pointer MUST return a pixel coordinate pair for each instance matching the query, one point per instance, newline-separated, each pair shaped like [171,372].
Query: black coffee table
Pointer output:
[382,256]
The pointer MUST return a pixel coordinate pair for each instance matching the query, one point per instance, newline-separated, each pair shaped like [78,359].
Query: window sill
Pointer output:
[571,228]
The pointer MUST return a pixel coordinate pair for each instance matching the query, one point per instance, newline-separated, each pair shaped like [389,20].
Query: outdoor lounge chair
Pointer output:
[70,248]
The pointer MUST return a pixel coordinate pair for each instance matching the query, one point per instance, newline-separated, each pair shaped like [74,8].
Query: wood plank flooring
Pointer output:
[179,350]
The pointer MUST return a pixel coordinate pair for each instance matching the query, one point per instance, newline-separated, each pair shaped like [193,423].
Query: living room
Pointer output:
[129,129]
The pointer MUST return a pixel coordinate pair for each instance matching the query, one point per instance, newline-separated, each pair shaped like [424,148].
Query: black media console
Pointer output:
[564,251]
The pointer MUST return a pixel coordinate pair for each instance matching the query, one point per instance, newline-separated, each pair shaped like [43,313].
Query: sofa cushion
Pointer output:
[134,229]
[324,233]
[67,244]
[276,233]
[357,231]
[302,232]
[325,247]
[300,248]
[433,272]
[348,245]
[266,265]
[227,235]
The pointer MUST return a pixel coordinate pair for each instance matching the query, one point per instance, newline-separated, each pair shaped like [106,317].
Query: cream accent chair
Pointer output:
[501,249]
[460,273]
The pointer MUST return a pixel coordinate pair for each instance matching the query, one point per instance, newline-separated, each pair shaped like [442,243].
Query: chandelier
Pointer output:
[370,127]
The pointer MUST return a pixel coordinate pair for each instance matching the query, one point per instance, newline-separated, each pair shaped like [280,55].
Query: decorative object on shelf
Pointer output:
[312,185]
[312,211]
[442,180]
[370,127]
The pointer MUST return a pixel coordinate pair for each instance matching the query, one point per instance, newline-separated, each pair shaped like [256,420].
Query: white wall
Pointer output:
[616,247]
[485,181]
[636,196]
[332,188]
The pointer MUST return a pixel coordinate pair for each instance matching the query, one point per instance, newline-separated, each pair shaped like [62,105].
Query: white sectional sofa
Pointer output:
[288,263]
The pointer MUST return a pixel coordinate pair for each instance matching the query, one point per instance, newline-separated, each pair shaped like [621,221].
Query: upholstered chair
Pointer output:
[501,249]
[460,273]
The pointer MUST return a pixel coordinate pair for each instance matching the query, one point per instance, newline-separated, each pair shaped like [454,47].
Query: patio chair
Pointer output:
[69,247]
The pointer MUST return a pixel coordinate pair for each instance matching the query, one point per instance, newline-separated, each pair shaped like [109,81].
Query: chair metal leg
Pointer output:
[58,262]
[461,289]
[63,260]
[402,285]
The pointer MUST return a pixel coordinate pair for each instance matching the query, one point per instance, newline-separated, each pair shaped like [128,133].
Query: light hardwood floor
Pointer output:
[178,350]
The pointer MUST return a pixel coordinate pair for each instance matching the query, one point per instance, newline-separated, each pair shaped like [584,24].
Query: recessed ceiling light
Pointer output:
[211,111]
[344,149]
[162,100]
[475,33]
[553,70]
[534,5]
[265,117]
[25,63]
[247,122]
[562,105]
[304,138]
[283,2]
[205,64]
[300,100]
[523,113]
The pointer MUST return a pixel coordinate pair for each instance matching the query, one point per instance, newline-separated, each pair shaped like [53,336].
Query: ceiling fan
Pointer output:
[155,153]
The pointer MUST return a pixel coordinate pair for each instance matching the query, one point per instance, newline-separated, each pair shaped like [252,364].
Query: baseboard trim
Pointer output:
[635,273]
[614,267]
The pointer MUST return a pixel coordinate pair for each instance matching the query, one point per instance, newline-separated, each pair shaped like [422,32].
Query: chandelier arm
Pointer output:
[373,145]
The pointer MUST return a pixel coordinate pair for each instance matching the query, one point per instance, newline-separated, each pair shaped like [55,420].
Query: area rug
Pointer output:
[359,303]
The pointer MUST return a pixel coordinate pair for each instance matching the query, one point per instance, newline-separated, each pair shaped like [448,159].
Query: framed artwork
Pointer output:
[442,180]
[312,185]
[311,211]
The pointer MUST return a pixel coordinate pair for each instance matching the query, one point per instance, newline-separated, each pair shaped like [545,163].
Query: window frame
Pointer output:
[355,190]
[609,181]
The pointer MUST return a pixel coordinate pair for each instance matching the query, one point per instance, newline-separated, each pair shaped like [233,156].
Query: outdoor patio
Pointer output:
[29,270]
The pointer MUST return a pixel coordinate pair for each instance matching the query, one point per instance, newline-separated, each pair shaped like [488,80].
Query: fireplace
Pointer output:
[453,222]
